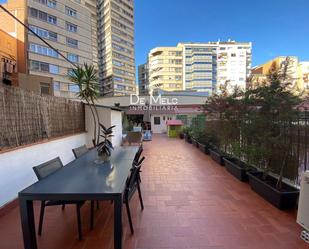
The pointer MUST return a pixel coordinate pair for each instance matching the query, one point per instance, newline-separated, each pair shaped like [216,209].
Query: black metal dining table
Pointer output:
[81,179]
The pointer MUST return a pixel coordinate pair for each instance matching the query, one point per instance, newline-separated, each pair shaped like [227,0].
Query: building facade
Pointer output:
[166,69]
[143,79]
[116,47]
[199,67]
[8,59]
[233,64]
[297,72]
[303,72]
[69,27]
[12,68]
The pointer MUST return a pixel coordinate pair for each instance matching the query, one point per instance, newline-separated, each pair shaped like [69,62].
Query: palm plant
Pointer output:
[85,77]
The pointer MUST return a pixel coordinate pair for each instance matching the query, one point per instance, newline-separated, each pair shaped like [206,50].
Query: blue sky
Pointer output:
[276,27]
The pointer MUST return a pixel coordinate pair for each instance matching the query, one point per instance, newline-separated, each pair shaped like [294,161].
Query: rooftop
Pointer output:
[190,202]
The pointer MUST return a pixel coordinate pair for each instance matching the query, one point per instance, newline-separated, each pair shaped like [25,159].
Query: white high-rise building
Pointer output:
[199,67]
[233,63]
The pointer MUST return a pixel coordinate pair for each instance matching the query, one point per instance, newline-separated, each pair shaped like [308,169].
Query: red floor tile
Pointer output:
[190,202]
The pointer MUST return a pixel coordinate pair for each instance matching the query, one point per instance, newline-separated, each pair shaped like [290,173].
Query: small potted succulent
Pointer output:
[105,147]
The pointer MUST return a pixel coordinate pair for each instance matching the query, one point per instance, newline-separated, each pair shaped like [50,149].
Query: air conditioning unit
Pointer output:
[303,205]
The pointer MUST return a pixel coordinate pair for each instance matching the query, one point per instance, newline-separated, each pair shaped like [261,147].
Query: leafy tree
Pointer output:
[258,126]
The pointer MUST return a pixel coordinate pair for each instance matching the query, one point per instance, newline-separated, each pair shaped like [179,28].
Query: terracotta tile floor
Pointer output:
[190,202]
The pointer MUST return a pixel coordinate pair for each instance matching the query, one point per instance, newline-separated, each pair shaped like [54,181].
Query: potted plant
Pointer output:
[217,156]
[214,142]
[194,142]
[198,128]
[203,148]
[187,134]
[234,165]
[105,147]
[237,168]
[181,135]
[217,124]
[275,139]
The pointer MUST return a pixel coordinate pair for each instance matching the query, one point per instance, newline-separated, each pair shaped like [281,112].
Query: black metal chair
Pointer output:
[136,159]
[138,154]
[43,170]
[133,183]
[79,151]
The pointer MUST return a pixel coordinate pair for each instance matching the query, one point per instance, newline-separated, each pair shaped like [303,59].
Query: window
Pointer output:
[157,120]
[70,71]
[73,88]
[73,57]
[56,86]
[52,19]
[122,41]
[122,57]
[53,69]
[119,17]
[49,3]
[121,49]
[120,87]
[38,49]
[44,33]
[45,88]
[70,12]
[71,27]
[44,67]
[72,42]
[43,16]
[118,63]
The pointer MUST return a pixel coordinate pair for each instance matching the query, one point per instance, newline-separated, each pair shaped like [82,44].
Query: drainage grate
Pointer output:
[305,236]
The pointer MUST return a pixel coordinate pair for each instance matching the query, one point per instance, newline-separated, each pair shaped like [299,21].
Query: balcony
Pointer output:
[190,202]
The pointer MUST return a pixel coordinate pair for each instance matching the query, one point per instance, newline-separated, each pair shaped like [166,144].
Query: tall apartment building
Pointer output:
[166,69]
[199,67]
[116,46]
[233,63]
[69,26]
[143,79]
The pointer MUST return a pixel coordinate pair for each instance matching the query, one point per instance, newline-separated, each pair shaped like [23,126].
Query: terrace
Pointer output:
[190,202]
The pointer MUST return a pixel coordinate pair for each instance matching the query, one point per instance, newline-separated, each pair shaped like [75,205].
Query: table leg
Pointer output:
[118,222]
[27,223]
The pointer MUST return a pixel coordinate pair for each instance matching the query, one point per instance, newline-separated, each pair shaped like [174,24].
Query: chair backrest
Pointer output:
[134,137]
[138,155]
[78,152]
[133,179]
[45,169]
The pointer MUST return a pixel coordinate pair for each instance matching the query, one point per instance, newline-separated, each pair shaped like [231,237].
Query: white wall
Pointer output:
[16,166]
[116,119]
[108,117]
[162,128]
